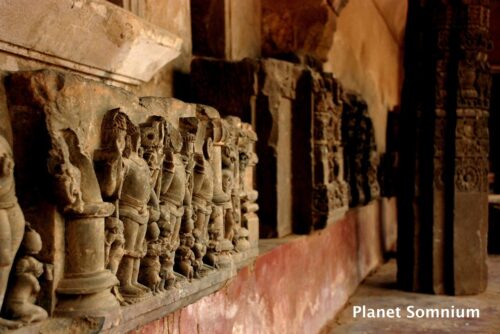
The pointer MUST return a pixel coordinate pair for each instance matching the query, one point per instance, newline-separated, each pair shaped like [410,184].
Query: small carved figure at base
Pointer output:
[241,240]
[21,298]
[218,248]
[185,257]
[113,250]
[199,250]
[149,274]
[167,255]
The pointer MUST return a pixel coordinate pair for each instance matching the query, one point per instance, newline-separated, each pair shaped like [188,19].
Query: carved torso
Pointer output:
[176,192]
[206,192]
[136,189]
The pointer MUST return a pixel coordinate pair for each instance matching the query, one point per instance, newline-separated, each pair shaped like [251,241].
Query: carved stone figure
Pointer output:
[149,274]
[129,179]
[11,220]
[93,198]
[185,258]
[137,194]
[110,170]
[219,248]
[361,157]
[114,242]
[203,193]
[231,180]
[20,302]
[247,160]
[172,196]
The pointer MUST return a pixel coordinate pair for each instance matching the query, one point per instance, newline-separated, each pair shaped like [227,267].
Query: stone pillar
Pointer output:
[442,203]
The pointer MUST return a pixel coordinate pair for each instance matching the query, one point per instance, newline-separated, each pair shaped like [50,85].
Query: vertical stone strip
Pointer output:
[471,148]
[444,160]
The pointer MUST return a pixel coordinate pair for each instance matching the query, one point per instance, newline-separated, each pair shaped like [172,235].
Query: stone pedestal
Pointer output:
[85,288]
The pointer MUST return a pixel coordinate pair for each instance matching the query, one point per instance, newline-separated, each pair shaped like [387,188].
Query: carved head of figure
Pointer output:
[133,140]
[114,130]
[245,147]
[152,139]
[188,147]
[189,241]
[173,139]
[32,242]
[227,181]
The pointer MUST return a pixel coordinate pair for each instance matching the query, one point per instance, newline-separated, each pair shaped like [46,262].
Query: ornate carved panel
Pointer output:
[139,199]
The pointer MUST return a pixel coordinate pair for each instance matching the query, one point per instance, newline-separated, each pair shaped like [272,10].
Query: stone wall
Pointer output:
[366,56]
[301,298]
[335,259]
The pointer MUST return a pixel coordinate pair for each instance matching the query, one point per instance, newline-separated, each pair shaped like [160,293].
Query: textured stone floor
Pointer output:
[379,291]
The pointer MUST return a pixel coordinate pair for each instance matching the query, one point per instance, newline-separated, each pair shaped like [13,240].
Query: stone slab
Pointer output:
[295,286]
[133,316]
[87,36]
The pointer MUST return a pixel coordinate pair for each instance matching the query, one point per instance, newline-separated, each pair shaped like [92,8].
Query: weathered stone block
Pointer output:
[89,36]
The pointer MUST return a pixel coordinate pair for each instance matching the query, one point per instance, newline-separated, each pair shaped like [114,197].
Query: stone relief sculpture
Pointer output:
[219,247]
[203,192]
[11,222]
[330,190]
[150,265]
[144,201]
[20,303]
[360,156]
[184,255]
[247,195]
[137,202]
[172,194]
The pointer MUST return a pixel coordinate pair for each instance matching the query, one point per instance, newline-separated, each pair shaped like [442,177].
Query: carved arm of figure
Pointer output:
[154,207]
[6,172]
[168,171]
[110,169]
[28,269]
[198,172]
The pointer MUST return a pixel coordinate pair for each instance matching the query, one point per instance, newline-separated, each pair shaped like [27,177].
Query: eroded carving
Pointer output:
[11,221]
[360,154]
[21,300]
[139,193]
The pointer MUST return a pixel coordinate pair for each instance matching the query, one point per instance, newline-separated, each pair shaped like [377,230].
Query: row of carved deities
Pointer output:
[170,210]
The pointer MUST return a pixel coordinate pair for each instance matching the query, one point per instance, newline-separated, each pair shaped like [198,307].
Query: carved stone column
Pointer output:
[85,286]
[442,204]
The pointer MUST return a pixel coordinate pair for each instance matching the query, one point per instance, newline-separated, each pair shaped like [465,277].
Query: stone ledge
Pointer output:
[93,37]
[133,316]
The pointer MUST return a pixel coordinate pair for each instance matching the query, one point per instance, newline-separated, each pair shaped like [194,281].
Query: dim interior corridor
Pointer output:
[379,291]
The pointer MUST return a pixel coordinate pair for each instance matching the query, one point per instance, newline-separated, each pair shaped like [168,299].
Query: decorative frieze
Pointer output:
[298,112]
[141,195]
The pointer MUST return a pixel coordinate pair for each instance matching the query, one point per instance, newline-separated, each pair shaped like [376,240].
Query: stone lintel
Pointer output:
[92,37]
